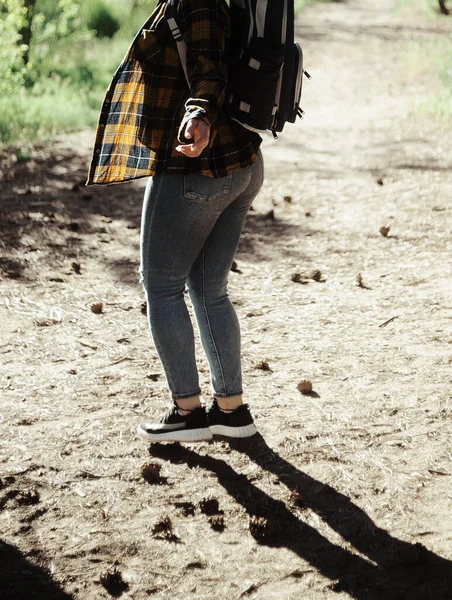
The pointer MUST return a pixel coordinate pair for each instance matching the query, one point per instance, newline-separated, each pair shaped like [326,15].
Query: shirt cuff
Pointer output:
[197,108]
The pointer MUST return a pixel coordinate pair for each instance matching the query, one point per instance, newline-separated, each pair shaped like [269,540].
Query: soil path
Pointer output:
[348,492]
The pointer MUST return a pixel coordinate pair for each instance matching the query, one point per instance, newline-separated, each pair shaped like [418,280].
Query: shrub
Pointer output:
[431,61]
[28,116]
[12,67]
[101,19]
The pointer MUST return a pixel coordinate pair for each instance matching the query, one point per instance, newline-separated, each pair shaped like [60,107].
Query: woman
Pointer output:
[204,172]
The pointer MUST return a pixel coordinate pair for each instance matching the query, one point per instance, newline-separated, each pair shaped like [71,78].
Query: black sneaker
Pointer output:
[236,423]
[174,427]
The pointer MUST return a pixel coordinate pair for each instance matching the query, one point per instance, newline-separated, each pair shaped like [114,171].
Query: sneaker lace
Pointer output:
[171,410]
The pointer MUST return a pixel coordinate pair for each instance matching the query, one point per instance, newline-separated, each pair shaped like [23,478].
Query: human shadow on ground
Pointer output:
[48,215]
[261,230]
[386,569]
[22,580]
[53,219]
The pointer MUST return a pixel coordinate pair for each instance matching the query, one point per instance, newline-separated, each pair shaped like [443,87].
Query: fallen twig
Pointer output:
[389,321]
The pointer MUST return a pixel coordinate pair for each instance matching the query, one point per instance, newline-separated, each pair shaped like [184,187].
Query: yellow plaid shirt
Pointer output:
[149,97]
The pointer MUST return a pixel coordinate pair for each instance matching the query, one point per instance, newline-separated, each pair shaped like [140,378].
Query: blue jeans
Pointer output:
[190,231]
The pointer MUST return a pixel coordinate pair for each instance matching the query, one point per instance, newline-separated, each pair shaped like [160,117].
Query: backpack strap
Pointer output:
[171,18]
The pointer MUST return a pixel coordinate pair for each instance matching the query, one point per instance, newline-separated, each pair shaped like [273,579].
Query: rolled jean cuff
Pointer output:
[185,396]
[227,395]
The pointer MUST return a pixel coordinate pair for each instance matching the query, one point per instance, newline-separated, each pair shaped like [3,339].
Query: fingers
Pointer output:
[190,128]
[200,132]
[191,150]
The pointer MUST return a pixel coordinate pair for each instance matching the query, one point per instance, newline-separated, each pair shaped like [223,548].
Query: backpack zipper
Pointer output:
[261,14]
[299,80]
[277,98]
[250,33]
[278,89]
[284,24]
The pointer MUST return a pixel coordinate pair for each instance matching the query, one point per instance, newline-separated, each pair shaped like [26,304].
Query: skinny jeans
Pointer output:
[190,230]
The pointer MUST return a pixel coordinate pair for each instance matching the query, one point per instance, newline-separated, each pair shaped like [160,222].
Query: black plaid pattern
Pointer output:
[148,98]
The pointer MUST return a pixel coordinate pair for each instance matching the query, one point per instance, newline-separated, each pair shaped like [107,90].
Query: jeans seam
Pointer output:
[203,198]
[144,274]
[206,314]
[145,250]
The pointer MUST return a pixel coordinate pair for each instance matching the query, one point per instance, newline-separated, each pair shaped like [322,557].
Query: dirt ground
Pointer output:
[346,492]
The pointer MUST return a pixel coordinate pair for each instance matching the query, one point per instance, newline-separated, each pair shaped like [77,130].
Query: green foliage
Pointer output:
[58,29]
[25,118]
[131,15]
[424,8]
[12,68]
[54,21]
[101,19]
[432,61]
[61,86]
[300,4]
[54,26]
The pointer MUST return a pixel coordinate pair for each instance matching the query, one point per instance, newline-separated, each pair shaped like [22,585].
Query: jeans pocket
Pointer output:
[206,189]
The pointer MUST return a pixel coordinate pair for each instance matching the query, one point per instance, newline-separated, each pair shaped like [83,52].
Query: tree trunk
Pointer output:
[443,8]
[26,33]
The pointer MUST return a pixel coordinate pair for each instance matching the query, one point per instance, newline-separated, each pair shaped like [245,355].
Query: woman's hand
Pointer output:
[199,131]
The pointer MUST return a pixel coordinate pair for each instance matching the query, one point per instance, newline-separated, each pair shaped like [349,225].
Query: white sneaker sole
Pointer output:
[234,432]
[182,435]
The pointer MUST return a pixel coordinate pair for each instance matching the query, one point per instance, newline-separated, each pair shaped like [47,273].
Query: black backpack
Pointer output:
[265,70]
